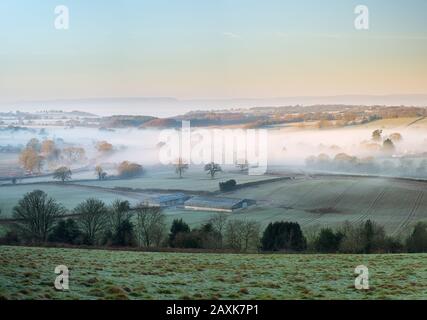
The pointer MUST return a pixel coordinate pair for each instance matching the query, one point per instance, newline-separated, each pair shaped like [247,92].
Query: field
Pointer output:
[9,165]
[167,179]
[397,123]
[69,196]
[310,201]
[396,204]
[28,273]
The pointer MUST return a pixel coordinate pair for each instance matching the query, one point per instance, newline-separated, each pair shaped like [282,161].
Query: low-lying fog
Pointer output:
[286,147]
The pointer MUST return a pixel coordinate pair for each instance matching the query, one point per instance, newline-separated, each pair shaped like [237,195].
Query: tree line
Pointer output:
[40,219]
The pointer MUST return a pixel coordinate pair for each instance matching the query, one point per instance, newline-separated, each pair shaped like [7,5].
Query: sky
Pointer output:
[200,49]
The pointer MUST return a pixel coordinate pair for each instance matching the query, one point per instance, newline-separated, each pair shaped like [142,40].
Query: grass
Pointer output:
[329,201]
[69,196]
[9,165]
[28,273]
[397,123]
[3,230]
[396,205]
[167,179]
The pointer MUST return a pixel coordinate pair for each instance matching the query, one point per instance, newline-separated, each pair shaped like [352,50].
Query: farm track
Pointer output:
[304,195]
[415,121]
[339,198]
[371,207]
[336,201]
[406,221]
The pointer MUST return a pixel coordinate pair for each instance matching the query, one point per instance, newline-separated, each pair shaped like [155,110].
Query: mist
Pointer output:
[287,147]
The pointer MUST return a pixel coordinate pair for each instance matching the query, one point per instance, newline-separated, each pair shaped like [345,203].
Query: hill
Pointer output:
[160,123]
[27,273]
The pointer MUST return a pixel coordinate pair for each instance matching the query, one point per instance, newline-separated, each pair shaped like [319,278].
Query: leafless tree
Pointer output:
[150,226]
[37,214]
[219,222]
[93,219]
[180,167]
[212,169]
[242,235]
[119,212]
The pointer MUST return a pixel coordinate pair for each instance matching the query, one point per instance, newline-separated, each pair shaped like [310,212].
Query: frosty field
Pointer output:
[69,196]
[28,273]
[323,200]
[167,179]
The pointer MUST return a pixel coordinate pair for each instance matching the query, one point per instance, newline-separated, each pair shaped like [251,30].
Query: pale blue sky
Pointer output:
[211,49]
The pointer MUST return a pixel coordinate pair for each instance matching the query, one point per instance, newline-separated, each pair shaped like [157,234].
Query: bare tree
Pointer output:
[119,212]
[93,219]
[219,222]
[36,214]
[242,235]
[180,167]
[150,226]
[99,171]
[212,168]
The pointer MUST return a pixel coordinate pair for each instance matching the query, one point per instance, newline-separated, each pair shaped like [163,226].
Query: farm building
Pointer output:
[169,200]
[217,204]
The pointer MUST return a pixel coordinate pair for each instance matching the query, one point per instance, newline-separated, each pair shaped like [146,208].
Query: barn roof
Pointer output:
[170,197]
[213,202]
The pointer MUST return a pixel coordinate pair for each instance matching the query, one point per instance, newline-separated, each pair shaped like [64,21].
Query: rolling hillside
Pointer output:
[28,273]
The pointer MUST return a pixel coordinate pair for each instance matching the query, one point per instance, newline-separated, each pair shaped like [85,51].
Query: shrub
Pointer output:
[228,185]
[124,235]
[66,231]
[366,237]
[417,241]
[128,169]
[393,245]
[189,240]
[178,226]
[283,236]
[328,241]
[10,238]
[212,238]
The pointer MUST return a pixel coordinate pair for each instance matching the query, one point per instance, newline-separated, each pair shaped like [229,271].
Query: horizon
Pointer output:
[164,107]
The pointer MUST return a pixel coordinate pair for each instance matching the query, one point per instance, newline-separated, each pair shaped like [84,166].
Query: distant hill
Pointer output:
[122,121]
[161,123]
[169,107]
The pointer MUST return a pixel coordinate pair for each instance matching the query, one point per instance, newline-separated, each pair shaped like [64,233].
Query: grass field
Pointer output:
[397,123]
[28,273]
[192,181]
[69,196]
[9,165]
[395,204]
[330,201]
[86,175]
